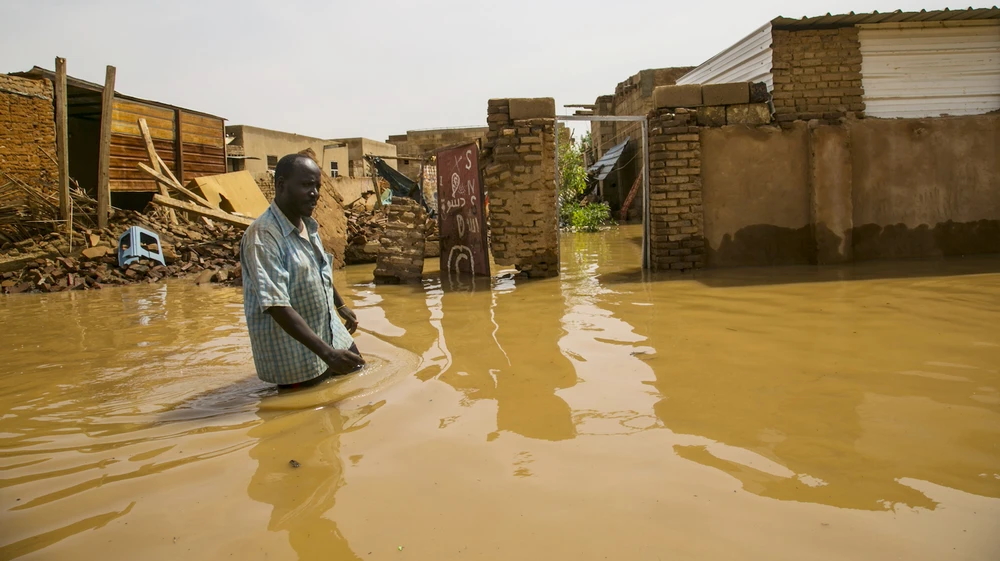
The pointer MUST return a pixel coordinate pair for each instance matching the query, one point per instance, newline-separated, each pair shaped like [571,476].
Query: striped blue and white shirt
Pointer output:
[281,268]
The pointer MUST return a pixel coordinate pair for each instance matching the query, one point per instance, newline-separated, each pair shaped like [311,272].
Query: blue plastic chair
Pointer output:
[130,246]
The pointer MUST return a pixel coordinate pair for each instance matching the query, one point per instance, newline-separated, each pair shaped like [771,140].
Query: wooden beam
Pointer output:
[62,147]
[178,145]
[154,160]
[104,150]
[184,190]
[166,169]
[219,215]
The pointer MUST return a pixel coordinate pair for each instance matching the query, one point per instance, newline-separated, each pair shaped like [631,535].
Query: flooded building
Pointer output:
[416,146]
[832,139]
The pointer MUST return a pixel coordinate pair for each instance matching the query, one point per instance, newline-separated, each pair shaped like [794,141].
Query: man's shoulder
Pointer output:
[264,223]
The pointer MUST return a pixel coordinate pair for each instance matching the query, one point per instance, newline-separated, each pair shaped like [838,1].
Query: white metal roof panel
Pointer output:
[749,60]
[930,71]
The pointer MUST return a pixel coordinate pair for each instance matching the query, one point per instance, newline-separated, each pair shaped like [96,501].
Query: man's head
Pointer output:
[296,185]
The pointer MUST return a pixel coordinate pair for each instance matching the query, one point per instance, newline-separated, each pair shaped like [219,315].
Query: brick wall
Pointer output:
[519,175]
[401,255]
[817,74]
[676,227]
[28,131]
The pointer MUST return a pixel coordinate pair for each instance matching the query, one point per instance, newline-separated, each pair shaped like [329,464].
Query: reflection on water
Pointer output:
[781,413]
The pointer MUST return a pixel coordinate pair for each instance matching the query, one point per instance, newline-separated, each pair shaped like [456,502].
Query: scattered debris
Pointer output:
[45,263]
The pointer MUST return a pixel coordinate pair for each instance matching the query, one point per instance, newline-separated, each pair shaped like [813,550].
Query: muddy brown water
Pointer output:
[790,413]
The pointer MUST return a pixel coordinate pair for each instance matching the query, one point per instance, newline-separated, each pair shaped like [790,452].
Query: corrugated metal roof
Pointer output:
[899,16]
[603,166]
[749,60]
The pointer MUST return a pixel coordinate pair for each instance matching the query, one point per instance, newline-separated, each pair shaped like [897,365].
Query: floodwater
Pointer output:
[787,413]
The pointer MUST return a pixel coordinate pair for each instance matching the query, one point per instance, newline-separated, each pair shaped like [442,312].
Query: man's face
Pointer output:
[300,191]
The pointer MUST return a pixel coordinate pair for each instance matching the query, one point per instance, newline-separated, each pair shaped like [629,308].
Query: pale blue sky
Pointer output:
[343,69]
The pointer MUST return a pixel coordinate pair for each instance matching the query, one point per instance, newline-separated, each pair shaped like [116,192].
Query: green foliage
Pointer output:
[574,215]
[590,217]
[573,176]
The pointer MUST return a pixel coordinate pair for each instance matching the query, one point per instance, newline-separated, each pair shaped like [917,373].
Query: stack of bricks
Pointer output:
[677,225]
[519,174]
[28,131]
[401,255]
[817,75]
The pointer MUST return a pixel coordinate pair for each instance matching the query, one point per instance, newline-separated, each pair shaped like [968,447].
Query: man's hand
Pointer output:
[349,317]
[342,361]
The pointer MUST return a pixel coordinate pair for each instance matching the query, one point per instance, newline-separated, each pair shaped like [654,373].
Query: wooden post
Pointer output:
[62,147]
[103,174]
[178,146]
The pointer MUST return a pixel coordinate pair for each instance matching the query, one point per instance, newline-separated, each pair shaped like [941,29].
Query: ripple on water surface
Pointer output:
[793,412]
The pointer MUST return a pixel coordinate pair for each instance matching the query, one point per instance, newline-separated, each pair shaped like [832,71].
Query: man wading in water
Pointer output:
[288,292]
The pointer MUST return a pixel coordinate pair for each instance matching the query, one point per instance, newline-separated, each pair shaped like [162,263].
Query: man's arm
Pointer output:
[340,361]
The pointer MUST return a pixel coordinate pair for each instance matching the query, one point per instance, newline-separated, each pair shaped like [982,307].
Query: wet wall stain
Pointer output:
[897,241]
[767,245]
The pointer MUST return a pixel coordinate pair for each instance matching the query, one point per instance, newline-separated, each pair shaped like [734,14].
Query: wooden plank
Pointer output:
[134,186]
[62,147]
[165,169]
[190,137]
[104,150]
[144,110]
[187,192]
[155,163]
[131,129]
[154,123]
[209,212]
[212,131]
[200,120]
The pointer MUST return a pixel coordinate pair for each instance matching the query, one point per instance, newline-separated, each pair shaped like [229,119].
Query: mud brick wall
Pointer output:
[401,255]
[676,213]
[28,131]
[817,74]
[519,175]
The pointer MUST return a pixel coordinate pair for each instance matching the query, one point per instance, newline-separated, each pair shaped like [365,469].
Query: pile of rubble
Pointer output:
[49,263]
[366,228]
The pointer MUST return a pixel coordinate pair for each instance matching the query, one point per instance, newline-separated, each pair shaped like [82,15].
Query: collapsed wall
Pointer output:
[28,131]
[519,176]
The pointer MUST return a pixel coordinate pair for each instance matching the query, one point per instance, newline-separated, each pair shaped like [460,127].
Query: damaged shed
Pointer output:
[191,143]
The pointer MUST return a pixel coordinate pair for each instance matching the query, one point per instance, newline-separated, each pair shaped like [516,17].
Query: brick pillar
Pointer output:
[677,227]
[401,255]
[519,175]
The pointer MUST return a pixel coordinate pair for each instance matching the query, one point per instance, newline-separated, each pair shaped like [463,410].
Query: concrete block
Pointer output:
[670,97]
[748,114]
[532,108]
[725,94]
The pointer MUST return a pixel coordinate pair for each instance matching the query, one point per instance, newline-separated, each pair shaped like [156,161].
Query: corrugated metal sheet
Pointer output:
[603,166]
[929,71]
[747,61]
[898,16]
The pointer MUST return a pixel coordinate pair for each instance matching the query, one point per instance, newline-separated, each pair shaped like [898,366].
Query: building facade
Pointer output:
[416,147]
[258,150]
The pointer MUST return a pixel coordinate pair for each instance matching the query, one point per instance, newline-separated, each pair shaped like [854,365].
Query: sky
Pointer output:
[334,69]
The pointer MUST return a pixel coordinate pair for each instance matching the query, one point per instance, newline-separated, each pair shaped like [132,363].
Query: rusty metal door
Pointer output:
[462,212]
